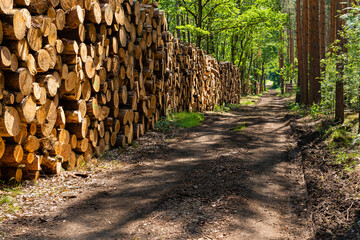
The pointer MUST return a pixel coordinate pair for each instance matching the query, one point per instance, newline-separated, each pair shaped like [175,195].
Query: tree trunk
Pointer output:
[188,22]
[223,50]
[333,21]
[262,83]
[247,83]
[322,29]
[358,109]
[299,46]
[281,63]
[314,54]
[233,46]
[291,42]
[305,47]
[339,90]
[242,80]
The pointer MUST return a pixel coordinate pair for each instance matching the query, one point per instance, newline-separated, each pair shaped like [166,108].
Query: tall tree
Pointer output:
[304,92]
[300,98]
[322,29]
[247,83]
[291,42]
[281,62]
[314,53]
[339,90]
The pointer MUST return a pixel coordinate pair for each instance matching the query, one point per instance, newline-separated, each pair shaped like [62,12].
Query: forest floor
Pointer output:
[236,176]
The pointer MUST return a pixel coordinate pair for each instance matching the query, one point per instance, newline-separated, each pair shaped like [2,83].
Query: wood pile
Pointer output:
[78,77]
[195,81]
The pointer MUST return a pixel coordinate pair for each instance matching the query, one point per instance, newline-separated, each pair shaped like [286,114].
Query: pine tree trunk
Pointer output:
[291,42]
[333,21]
[339,90]
[188,22]
[314,54]
[247,83]
[281,63]
[299,46]
[322,29]
[305,47]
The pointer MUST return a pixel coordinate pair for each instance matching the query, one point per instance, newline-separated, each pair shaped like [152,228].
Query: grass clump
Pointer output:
[222,108]
[187,119]
[240,127]
[247,102]
[181,120]
[340,137]
[348,159]
[301,110]
[8,201]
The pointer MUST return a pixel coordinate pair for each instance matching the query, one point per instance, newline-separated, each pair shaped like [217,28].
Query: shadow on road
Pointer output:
[217,183]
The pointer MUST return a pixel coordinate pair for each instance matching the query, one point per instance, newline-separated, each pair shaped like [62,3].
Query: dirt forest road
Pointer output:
[216,181]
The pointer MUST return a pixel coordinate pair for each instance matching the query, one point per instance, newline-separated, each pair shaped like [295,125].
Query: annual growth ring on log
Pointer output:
[80,77]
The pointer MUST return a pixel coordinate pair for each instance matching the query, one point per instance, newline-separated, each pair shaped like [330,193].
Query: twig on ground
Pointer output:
[347,211]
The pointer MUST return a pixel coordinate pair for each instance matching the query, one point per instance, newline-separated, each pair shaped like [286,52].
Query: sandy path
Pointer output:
[212,183]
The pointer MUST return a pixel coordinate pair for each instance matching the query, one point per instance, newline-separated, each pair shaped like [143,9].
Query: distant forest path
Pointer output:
[233,177]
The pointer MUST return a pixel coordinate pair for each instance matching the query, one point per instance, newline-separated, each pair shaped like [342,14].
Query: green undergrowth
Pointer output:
[314,111]
[222,108]
[180,120]
[343,140]
[285,95]
[8,202]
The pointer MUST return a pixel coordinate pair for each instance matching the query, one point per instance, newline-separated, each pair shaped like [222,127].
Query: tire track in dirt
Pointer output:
[212,183]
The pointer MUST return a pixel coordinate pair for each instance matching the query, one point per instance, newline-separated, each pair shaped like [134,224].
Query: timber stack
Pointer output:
[78,77]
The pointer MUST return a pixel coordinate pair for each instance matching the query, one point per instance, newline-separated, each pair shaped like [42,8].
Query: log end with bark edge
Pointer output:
[10,122]
[5,57]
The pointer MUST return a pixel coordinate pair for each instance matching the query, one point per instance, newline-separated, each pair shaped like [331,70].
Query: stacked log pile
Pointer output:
[81,76]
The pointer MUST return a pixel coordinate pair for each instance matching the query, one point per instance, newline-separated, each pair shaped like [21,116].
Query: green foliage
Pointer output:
[301,110]
[234,106]
[349,60]
[134,144]
[343,141]
[165,124]
[231,30]
[181,120]
[349,160]
[315,111]
[289,73]
[195,30]
[340,138]
[222,108]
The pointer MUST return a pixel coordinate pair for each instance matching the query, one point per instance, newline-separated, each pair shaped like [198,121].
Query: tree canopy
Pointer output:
[245,32]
